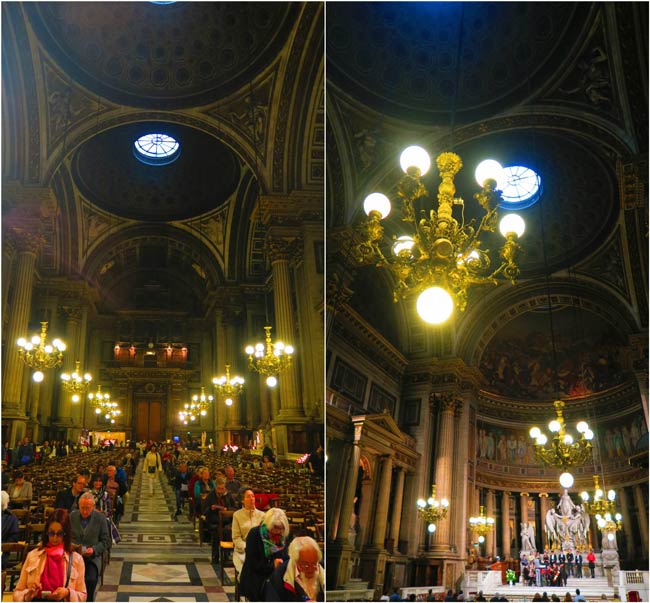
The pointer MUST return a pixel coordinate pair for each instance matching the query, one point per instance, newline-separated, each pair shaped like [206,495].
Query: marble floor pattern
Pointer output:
[159,559]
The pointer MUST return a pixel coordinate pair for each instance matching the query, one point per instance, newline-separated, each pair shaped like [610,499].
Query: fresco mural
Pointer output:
[518,361]
[510,447]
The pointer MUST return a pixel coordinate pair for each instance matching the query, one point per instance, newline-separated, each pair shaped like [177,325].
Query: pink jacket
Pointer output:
[33,568]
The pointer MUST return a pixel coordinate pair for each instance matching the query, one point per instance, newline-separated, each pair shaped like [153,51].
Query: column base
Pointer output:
[290,415]
[338,555]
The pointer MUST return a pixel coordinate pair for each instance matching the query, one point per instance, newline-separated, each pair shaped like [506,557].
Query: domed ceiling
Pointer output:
[401,57]
[170,56]
[109,174]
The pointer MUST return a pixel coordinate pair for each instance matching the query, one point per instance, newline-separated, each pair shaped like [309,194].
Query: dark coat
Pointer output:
[10,531]
[225,502]
[65,499]
[276,589]
[257,567]
[95,535]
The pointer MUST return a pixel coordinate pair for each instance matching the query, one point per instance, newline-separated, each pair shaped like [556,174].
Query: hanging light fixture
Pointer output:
[441,257]
[111,411]
[201,402]
[228,387]
[40,355]
[269,358]
[99,399]
[76,383]
[563,450]
[482,525]
[432,510]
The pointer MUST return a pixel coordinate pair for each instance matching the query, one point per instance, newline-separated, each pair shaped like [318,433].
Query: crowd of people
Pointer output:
[555,567]
[274,561]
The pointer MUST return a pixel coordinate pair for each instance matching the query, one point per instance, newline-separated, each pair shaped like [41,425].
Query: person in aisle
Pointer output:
[90,529]
[151,467]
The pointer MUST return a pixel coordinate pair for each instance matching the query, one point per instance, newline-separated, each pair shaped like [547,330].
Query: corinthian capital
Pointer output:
[27,241]
[281,248]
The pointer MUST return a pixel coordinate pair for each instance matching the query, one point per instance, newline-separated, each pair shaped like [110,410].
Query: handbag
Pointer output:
[151,469]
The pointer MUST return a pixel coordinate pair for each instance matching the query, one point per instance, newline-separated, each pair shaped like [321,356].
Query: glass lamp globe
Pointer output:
[554,426]
[611,495]
[566,480]
[618,517]
[75,397]
[228,401]
[377,202]
[38,376]
[432,528]
[599,493]
[568,439]
[435,305]
[481,539]
[610,537]
[404,244]
[271,381]
[489,168]
[512,223]
[541,440]
[589,435]
[582,427]
[421,503]
[584,496]
[415,157]
[534,432]
[444,502]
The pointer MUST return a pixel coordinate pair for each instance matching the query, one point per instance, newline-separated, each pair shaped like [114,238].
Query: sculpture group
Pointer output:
[567,525]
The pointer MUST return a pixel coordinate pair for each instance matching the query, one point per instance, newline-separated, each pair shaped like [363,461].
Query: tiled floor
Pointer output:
[159,559]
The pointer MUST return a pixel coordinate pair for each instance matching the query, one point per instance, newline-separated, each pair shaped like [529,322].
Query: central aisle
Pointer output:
[159,559]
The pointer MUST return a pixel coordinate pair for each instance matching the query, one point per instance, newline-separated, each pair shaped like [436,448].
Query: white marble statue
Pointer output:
[567,526]
[526,544]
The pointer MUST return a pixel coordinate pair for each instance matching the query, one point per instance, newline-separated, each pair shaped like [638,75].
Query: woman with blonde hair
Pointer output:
[53,572]
[265,550]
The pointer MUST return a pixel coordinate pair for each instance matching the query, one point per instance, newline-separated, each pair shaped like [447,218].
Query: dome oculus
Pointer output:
[522,188]
[156,149]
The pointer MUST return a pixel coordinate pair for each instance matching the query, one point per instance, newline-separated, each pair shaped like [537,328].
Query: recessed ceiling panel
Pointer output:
[163,56]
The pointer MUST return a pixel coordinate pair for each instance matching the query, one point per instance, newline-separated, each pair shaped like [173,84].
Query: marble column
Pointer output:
[12,401]
[490,540]
[444,465]
[219,412]
[543,509]
[505,525]
[524,506]
[72,316]
[396,517]
[624,505]
[347,504]
[381,511]
[280,251]
[458,511]
[232,356]
[642,516]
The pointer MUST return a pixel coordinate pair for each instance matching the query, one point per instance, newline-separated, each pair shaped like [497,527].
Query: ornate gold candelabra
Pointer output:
[432,510]
[482,525]
[40,355]
[441,257]
[228,387]
[269,358]
[76,383]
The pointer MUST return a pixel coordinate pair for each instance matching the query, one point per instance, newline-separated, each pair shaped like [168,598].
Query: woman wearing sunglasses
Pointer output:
[53,572]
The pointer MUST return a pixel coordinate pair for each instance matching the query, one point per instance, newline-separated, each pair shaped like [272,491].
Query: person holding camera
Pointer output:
[152,466]
[90,530]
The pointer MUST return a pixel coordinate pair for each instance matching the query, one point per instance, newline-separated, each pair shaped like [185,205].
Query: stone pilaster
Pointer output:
[490,540]
[543,509]
[347,504]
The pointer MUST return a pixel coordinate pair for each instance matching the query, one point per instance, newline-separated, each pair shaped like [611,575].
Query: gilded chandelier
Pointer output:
[441,257]
[228,387]
[602,508]
[76,383]
[39,355]
[432,510]
[563,451]
[269,358]
[482,525]
[99,400]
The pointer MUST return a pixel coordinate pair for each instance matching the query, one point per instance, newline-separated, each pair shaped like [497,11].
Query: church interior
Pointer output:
[548,325]
[162,211]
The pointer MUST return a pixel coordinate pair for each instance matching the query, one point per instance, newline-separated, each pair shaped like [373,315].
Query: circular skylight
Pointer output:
[156,149]
[522,188]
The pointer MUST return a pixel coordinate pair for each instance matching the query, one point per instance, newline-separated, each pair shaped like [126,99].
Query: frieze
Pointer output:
[74,313]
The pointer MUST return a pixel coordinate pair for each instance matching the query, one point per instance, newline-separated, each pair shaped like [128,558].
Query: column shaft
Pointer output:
[505,525]
[543,508]
[627,526]
[490,540]
[22,302]
[381,514]
[396,517]
[642,516]
[444,467]
[348,497]
[288,382]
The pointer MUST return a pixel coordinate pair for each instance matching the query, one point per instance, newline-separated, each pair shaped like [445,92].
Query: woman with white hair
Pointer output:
[302,577]
[265,550]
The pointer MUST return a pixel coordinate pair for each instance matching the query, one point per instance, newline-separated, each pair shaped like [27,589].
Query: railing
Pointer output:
[475,581]
[634,581]
[350,595]
[421,592]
